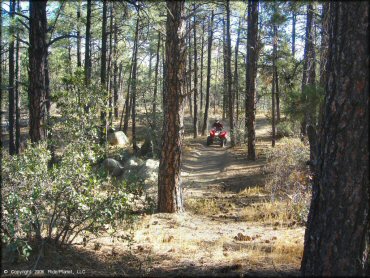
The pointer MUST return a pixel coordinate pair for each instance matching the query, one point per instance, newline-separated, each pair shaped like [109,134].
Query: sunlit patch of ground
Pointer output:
[230,226]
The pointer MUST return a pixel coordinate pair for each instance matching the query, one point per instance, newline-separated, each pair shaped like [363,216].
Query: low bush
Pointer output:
[289,176]
[58,203]
[287,129]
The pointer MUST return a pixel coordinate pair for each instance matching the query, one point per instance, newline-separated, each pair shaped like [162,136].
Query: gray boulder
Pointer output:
[118,138]
[133,163]
[113,167]
[149,170]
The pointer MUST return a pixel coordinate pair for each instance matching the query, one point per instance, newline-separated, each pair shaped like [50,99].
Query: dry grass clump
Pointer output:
[289,176]
[202,206]
[285,250]
[253,191]
[267,212]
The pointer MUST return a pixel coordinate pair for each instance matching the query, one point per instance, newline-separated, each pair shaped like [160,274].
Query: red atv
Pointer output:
[217,135]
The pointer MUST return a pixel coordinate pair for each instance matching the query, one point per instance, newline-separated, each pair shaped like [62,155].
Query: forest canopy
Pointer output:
[109,110]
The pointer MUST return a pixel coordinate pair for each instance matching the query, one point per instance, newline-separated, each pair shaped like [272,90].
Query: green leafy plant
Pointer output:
[60,203]
[287,129]
[298,104]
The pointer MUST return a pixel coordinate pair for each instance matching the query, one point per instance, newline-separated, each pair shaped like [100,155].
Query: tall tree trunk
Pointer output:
[208,85]
[78,46]
[11,84]
[323,53]
[169,178]
[189,79]
[78,34]
[120,83]
[156,82]
[324,43]
[127,109]
[308,60]
[195,118]
[164,74]
[201,69]
[236,74]
[217,84]
[109,71]
[337,233]
[273,92]
[294,20]
[38,52]
[251,73]
[225,83]
[115,67]
[87,45]
[103,75]
[133,91]
[277,94]
[17,92]
[230,79]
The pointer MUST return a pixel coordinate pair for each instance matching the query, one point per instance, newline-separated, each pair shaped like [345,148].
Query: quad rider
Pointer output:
[217,125]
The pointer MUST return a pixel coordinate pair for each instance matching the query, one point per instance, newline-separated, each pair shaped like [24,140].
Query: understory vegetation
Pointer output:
[184,138]
[289,178]
[72,198]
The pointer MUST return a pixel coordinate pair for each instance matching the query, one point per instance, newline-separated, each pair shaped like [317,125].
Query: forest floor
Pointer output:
[229,227]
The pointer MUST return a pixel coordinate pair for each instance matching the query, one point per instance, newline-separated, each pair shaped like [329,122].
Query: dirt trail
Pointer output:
[213,167]
[214,235]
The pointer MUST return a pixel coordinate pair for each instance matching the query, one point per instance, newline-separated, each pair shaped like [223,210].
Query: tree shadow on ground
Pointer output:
[79,261]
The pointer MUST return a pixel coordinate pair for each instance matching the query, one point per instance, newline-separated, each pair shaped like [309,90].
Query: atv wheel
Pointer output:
[209,140]
[223,143]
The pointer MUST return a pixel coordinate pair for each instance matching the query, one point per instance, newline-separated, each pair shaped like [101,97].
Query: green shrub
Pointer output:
[287,129]
[289,176]
[57,204]
[298,104]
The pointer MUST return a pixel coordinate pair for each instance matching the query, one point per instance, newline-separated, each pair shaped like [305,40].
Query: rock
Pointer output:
[117,138]
[149,171]
[113,167]
[124,155]
[152,164]
[136,168]
[241,237]
[133,163]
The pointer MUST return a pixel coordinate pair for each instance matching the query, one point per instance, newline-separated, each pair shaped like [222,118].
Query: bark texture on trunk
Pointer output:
[251,73]
[87,45]
[273,85]
[154,110]
[309,64]
[17,89]
[208,85]
[115,67]
[103,74]
[195,119]
[11,83]
[38,52]
[231,96]
[337,235]
[169,182]
[294,20]
[133,89]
